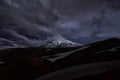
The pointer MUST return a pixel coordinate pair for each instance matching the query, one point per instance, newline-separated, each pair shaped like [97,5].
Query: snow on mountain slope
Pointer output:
[61,42]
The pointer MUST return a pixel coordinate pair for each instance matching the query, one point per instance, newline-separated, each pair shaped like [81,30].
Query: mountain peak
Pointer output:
[61,42]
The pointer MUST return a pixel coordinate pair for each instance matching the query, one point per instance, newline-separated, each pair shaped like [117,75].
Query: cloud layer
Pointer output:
[26,23]
[80,18]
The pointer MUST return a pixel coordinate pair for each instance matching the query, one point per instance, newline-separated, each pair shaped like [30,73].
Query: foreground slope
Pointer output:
[96,59]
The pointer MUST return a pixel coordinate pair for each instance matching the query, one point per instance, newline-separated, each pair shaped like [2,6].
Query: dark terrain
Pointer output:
[33,63]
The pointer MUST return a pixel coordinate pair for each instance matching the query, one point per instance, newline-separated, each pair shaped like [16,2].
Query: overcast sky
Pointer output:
[78,15]
[32,22]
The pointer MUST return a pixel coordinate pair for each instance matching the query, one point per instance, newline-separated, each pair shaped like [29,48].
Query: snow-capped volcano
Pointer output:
[61,42]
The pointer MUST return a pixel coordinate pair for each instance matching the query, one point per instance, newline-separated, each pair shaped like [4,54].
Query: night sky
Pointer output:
[26,23]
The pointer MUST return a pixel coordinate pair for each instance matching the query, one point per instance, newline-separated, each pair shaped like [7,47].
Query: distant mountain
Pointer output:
[61,43]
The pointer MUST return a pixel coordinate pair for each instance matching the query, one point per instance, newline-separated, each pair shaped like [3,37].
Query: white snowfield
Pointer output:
[81,71]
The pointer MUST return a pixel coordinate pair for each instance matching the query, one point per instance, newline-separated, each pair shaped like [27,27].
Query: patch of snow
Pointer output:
[113,49]
[2,62]
[55,57]
[48,50]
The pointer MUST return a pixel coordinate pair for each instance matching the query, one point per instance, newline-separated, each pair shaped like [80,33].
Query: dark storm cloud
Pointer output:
[25,22]
[78,17]
[32,22]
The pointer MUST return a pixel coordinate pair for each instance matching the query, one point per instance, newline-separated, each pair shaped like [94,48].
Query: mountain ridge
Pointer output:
[61,42]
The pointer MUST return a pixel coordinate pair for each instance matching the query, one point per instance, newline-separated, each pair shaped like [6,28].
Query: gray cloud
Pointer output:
[26,23]
[78,15]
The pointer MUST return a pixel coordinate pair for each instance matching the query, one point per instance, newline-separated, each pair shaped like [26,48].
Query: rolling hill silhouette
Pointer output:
[94,61]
